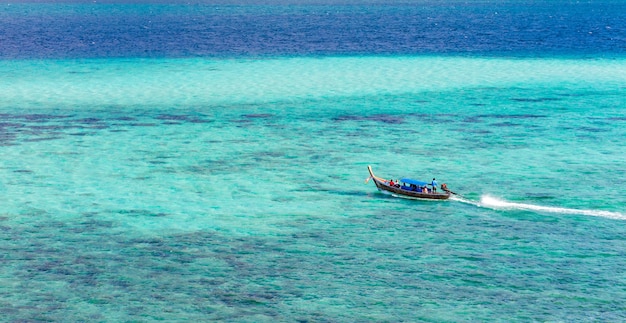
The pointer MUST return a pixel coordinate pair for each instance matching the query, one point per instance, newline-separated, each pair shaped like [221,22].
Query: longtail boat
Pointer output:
[409,188]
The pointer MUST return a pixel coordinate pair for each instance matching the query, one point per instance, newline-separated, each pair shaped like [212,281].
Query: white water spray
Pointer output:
[491,202]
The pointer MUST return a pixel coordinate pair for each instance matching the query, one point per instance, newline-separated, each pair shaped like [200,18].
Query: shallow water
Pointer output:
[233,189]
[207,161]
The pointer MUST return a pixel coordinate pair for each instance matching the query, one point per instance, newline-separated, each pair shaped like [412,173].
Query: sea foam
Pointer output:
[491,202]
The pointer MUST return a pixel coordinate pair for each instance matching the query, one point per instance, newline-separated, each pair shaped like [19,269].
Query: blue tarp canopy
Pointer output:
[413,181]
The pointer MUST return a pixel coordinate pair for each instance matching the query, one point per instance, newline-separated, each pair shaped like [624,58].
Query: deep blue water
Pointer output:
[492,28]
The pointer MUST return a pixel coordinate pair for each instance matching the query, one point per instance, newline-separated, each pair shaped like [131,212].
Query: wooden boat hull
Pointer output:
[382,185]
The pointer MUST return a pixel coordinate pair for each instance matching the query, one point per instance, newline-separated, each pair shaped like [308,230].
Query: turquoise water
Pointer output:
[234,189]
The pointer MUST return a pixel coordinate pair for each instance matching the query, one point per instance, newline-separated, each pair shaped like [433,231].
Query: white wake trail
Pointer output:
[491,202]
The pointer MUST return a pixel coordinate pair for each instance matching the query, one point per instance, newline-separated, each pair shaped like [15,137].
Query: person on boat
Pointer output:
[434,185]
[444,187]
[391,183]
[424,189]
